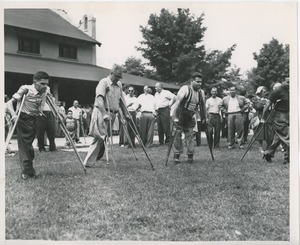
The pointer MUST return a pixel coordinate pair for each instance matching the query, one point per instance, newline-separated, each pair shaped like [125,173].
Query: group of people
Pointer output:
[186,111]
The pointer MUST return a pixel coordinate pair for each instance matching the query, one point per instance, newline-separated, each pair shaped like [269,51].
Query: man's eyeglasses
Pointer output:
[130,90]
[44,84]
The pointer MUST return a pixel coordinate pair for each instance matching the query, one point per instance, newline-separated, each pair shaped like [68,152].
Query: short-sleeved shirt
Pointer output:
[213,105]
[147,102]
[34,102]
[163,99]
[76,112]
[111,92]
[130,100]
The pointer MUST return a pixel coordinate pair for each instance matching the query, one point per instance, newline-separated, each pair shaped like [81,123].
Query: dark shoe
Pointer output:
[42,149]
[176,158]
[88,166]
[190,158]
[78,142]
[25,176]
[53,149]
[267,157]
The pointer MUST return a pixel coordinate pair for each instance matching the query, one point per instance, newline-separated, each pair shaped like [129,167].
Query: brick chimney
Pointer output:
[87,24]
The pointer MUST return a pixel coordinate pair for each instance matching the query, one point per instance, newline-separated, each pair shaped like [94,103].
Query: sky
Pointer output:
[249,25]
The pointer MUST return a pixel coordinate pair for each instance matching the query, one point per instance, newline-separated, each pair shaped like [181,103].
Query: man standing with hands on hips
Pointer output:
[164,99]
[234,105]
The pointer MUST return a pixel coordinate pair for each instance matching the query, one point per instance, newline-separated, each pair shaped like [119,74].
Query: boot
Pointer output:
[190,158]
[176,158]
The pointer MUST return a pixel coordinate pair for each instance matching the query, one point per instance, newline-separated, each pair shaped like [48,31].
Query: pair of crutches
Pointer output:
[12,129]
[134,130]
[258,130]
[63,127]
[174,135]
[56,114]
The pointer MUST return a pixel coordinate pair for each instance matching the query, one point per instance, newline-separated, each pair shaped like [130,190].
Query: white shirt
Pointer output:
[213,105]
[147,102]
[163,99]
[130,100]
[233,105]
[76,112]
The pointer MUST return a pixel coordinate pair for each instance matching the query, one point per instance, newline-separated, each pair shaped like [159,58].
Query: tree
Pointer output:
[172,44]
[134,66]
[215,69]
[272,64]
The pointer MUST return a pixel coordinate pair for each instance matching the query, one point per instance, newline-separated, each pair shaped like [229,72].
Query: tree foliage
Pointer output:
[272,64]
[134,66]
[172,44]
[215,69]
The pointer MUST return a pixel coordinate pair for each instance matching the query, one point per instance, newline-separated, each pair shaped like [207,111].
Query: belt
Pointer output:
[234,112]
[217,114]
[114,112]
[146,111]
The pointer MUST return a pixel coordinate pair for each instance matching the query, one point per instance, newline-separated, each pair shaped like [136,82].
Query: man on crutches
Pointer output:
[189,99]
[106,107]
[26,124]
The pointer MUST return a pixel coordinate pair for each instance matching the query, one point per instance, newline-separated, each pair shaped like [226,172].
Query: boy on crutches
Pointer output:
[26,124]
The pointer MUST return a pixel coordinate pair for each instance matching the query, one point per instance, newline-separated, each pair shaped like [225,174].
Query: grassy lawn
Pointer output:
[224,200]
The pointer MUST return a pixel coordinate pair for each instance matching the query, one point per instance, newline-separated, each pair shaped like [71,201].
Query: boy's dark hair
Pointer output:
[197,74]
[40,75]
[70,111]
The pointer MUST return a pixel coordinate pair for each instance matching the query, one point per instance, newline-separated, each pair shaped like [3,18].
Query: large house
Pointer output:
[41,39]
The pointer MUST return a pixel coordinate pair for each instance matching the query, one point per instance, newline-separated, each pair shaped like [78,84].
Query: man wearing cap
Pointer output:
[213,109]
[106,107]
[163,99]
[259,102]
[190,99]
[281,121]
[26,126]
[233,106]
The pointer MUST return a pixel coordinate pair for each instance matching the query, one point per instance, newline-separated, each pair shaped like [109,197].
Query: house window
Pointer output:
[67,51]
[29,45]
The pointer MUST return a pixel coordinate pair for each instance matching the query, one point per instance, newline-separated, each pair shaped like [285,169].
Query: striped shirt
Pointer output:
[34,102]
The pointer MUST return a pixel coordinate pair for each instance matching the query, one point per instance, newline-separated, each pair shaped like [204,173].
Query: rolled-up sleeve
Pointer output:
[101,88]
[19,94]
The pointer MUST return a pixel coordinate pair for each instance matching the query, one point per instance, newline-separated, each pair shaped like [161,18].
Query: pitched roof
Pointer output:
[44,20]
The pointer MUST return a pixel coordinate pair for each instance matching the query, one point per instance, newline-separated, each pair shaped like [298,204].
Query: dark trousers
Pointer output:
[147,121]
[26,131]
[198,134]
[131,126]
[214,128]
[282,134]
[46,124]
[246,125]
[163,120]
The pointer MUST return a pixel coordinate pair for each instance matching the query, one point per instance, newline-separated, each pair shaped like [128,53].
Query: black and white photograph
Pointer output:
[150,121]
